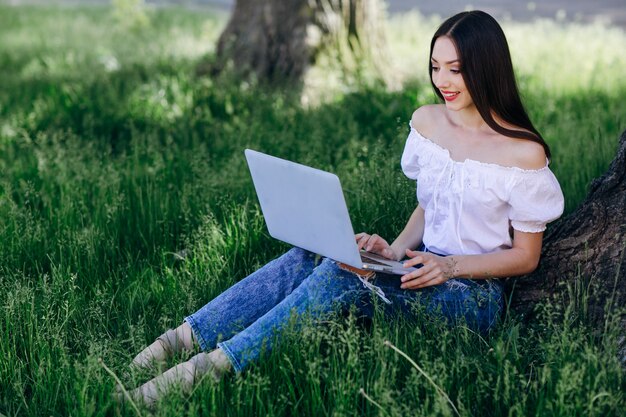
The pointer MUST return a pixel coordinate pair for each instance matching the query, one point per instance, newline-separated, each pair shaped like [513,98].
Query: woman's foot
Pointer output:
[166,345]
[214,365]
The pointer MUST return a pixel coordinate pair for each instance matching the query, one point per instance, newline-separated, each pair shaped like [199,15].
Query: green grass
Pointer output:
[113,157]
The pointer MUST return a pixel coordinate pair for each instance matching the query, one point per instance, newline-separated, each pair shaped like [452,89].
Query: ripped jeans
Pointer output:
[244,319]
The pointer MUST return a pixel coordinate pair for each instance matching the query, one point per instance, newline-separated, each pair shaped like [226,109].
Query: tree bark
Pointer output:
[277,40]
[583,257]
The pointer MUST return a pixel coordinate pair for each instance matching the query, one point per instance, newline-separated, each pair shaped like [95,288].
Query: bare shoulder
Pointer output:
[528,154]
[522,153]
[426,117]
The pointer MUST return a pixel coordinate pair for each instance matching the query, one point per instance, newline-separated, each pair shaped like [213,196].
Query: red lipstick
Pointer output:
[449,95]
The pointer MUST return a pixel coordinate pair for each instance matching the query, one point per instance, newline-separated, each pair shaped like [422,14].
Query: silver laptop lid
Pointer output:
[304,206]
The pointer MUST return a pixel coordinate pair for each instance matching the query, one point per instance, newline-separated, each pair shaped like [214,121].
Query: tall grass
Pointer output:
[116,163]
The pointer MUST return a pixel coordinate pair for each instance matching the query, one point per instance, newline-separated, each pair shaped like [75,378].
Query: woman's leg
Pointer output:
[478,304]
[327,288]
[475,303]
[243,303]
[234,309]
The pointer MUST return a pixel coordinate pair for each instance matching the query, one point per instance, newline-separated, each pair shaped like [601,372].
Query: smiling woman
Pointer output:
[479,57]
[446,73]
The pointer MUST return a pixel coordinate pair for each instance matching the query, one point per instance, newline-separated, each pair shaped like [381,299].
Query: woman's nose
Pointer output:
[440,79]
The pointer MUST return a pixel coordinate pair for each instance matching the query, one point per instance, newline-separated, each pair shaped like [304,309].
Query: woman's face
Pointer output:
[446,75]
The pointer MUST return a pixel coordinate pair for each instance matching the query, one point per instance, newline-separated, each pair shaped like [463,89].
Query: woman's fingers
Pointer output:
[361,239]
[431,272]
[423,280]
[417,258]
[364,241]
[371,243]
[419,273]
[428,275]
[423,283]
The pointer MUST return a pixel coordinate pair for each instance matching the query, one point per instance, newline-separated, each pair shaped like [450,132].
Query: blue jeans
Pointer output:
[244,319]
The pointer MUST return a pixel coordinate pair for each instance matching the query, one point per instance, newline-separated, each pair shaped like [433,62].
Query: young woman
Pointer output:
[485,194]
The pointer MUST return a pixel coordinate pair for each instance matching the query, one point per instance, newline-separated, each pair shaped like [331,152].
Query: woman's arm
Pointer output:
[521,259]
[410,238]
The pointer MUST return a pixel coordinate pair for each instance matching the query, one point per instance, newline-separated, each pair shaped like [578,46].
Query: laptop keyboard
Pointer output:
[371,261]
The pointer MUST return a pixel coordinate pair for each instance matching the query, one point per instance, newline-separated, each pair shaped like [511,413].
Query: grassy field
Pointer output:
[113,158]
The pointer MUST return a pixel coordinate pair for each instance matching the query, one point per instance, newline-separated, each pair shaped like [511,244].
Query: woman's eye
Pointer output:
[435,69]
[455,71]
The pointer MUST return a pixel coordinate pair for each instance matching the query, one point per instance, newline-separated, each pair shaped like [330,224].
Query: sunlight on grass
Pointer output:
[61,53]
[546,54]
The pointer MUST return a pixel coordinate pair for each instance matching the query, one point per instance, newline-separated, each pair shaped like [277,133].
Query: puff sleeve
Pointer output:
[535,200]
[410,161]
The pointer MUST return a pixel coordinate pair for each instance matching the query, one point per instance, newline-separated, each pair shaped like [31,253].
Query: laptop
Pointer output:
[305,207]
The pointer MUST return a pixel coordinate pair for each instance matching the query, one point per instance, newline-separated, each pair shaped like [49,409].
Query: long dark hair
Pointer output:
[487,70]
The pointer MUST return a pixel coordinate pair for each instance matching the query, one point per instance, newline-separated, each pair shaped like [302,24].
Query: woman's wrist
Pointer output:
[397,251]
[452,270]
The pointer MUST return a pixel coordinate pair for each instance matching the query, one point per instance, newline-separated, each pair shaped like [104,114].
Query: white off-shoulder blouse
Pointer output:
[470,205]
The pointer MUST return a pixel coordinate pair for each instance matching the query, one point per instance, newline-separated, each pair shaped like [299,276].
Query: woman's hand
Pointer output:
[435,270]
[375,244]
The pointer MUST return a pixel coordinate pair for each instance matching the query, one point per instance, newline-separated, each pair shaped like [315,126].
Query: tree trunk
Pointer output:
[583,258]
[276,40]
